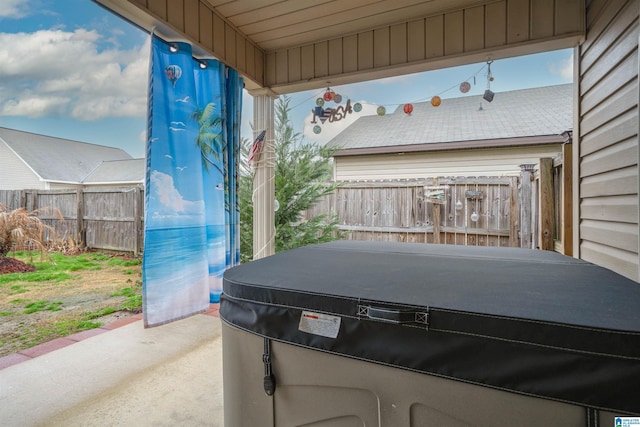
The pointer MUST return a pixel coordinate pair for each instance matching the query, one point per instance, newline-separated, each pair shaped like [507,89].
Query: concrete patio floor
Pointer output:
[164,376]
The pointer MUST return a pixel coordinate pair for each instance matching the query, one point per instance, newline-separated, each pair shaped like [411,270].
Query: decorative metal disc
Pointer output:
[357,107]
[465,87]
[381,111]
[317,129]
[337,98]
[319,102]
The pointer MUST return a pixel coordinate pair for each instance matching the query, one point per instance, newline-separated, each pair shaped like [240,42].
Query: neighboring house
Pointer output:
[32,161]
[464,136]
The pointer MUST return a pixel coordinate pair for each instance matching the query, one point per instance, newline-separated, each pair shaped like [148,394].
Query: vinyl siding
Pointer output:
[608,133]
[483,162]
[14,174]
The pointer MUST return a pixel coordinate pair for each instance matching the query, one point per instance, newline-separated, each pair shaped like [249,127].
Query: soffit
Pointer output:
[276,24]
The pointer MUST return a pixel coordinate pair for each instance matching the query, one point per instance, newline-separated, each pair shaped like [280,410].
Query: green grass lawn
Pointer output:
[64,295]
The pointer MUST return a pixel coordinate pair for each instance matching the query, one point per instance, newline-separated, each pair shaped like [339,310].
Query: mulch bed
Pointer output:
[12,265]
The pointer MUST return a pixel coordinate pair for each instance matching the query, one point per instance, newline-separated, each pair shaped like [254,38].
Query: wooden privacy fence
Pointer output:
[532,210]
[482,211]
[98,218]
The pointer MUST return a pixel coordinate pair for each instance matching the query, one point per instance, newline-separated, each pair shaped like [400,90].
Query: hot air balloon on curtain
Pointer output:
[173,73]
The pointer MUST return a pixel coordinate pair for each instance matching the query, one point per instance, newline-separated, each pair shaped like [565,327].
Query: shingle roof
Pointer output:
[522,113]
[56,159]
[129,171]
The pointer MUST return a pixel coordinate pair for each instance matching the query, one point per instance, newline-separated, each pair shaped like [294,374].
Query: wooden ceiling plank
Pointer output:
[217,3]
[273,9]
[310,31]
[315,15]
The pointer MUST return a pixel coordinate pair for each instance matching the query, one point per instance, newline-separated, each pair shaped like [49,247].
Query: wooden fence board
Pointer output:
[399,211]
[96,218]
[10,199]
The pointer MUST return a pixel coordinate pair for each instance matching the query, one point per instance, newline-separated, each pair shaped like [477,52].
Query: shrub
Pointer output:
[302,177]
[21,228]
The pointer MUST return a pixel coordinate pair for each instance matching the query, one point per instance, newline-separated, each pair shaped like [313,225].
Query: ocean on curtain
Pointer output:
[191,221]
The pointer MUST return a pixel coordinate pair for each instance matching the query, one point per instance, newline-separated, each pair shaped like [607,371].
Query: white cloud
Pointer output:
[171,202]
[563,69]
[12,8]
[67,70]
[34,106]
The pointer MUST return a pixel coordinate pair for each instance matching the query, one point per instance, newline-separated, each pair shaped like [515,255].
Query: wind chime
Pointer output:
[488,95]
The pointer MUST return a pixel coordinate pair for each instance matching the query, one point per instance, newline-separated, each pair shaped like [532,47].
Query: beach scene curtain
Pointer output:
[191,220]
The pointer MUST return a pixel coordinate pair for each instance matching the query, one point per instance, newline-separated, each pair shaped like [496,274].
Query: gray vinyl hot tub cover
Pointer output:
[527,321]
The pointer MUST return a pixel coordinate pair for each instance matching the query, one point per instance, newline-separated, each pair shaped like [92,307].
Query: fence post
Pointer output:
[29,200]
[526,171]
[514,220]
[80,217]
[546,204]
[435,214]
[567,199]
[137,220]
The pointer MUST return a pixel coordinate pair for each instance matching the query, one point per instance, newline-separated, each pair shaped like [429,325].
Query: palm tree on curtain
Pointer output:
[213,144]
[210,139]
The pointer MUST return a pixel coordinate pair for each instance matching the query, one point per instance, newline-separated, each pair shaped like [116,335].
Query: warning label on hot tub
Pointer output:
[319,324]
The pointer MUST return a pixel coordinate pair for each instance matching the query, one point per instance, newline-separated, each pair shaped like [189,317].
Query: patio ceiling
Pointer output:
[293,45]
[274,24]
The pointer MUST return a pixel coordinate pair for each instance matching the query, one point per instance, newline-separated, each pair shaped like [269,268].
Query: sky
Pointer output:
[74,70]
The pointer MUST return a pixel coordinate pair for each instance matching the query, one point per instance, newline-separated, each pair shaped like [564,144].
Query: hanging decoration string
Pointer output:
[489,75]
[464,88]
[322,113]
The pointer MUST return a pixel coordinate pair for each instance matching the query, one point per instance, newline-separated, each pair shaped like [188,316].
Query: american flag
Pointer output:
[256,148]
[326,113]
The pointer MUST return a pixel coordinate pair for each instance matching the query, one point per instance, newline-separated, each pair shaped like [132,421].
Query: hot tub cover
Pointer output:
[527,321]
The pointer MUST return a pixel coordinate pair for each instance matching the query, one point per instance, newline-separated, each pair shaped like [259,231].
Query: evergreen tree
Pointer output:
[302,175]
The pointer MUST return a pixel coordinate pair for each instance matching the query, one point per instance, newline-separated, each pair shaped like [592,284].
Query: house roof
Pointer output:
[521,117]
[118,171]
[64,160]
